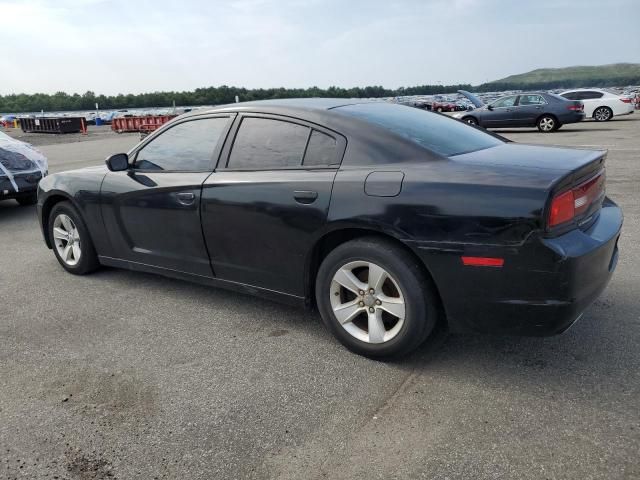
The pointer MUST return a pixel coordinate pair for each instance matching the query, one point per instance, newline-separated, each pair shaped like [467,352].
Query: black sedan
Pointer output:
[387,218]
[546,111]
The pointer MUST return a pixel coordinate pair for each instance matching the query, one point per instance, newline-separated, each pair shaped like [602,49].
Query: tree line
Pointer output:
[19,103]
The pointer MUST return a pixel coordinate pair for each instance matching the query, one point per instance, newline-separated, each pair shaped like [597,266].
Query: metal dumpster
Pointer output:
[137,124]
[52,124]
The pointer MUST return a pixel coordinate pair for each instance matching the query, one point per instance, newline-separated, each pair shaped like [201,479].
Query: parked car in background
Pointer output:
[601,105]
[546,111]
[21,168]
[441,104]
[421,220]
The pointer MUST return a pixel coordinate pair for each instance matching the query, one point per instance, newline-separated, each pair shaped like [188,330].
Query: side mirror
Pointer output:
[118,162]
[489,107]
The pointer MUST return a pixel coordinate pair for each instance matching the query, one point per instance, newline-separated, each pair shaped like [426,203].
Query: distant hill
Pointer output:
[615,74]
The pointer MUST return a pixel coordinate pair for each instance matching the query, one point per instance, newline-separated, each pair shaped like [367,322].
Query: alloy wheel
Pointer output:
[602,114]
[547,124]
[367,302]
[66,238]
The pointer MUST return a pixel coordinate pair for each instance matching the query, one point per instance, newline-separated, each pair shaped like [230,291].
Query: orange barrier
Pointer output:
[138,124]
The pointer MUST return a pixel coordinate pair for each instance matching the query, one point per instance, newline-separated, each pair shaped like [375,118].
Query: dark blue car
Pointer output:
[546,111]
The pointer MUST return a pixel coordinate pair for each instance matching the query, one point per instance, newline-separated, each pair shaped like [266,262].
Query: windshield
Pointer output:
[436,132]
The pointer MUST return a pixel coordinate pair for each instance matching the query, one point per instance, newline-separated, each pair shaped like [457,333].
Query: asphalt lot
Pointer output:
[128,375]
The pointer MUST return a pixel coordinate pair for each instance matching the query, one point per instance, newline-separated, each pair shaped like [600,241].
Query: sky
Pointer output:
[133,46]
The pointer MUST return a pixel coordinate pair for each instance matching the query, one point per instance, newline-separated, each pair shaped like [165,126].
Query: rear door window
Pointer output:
[531,100]
[590,95]
[322,150]
[571,95]
[265,143]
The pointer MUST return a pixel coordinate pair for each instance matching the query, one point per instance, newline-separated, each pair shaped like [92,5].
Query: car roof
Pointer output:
[307,104]
[586,90]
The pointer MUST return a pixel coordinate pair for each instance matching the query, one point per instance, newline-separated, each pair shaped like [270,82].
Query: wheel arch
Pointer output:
[332,239]
[51,201]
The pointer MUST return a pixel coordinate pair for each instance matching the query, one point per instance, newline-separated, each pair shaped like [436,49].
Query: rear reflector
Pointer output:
[482,261]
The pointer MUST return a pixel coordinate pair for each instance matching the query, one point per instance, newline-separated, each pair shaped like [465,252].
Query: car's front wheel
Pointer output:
[375,298]
[70,239]
[602,114]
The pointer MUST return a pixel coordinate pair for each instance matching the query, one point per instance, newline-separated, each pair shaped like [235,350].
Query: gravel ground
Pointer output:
[127,375]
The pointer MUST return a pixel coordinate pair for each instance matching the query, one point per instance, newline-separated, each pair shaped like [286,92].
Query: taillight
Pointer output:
[562,209]
[576,108]
[567,205]
[626,100]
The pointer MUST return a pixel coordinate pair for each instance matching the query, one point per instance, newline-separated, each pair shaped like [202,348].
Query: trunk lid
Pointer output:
[578,174]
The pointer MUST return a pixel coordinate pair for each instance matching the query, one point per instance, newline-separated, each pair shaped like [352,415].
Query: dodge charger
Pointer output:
[389,220]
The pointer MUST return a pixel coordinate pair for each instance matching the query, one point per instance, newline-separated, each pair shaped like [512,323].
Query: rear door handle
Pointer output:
[305,196]
[186,198]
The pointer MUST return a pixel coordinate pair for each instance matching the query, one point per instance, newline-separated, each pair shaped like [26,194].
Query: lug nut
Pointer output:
[337,294]
[372,309]
[361,304]
[361,292]
[371,290]
[378,302]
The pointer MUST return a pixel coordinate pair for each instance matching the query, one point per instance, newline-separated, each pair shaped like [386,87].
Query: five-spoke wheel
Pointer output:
[66,239]
[70,239]
[375,297]
[367,302]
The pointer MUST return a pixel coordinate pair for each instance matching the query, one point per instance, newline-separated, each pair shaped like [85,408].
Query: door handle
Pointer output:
[186,198]
[305,196]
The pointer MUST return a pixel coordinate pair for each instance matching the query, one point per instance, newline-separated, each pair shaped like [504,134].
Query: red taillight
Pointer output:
[562,209]
[626,100]
[482,261]
[576,108]
[567,205]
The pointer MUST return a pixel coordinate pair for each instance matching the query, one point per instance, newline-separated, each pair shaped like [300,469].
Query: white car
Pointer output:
[601,104]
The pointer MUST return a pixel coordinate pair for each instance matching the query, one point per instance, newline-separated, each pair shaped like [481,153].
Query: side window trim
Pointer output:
[223,160]
[216,151]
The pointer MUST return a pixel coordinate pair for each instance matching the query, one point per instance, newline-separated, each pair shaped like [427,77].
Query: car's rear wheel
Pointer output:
[602,114]
[70,239]
[27,200]
[470,120]
[375,298]
[547,124]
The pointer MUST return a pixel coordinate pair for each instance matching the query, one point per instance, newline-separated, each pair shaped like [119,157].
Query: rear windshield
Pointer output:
[436,132]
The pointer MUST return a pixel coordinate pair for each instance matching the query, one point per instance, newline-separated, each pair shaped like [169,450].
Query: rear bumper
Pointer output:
[27,184]
[543,287]
[571,117]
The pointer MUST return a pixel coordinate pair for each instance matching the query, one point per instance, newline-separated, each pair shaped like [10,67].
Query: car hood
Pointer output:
[472,98]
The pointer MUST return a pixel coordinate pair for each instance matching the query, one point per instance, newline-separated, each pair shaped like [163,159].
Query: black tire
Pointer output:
[88,261]
[439,109]
[27,200]
[470,120]
[602,114]
[416,289]
[547,123]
